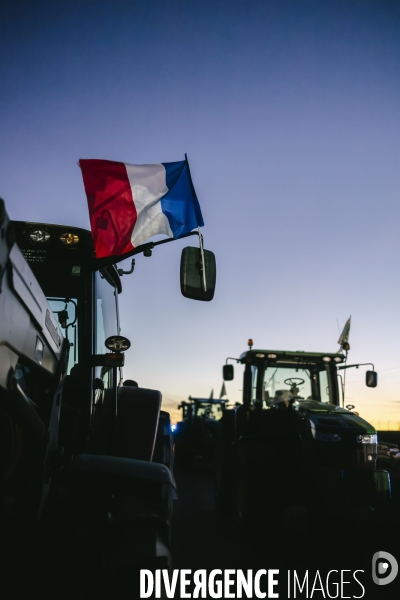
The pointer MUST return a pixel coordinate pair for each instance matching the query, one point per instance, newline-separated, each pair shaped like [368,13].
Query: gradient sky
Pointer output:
[289,114]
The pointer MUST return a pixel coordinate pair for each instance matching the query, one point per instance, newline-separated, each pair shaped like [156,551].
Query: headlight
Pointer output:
[371,438]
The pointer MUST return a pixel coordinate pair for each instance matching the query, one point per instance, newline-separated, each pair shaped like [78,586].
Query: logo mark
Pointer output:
[384,563]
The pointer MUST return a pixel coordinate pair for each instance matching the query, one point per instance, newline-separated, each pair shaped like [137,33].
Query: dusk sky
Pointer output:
[289,112]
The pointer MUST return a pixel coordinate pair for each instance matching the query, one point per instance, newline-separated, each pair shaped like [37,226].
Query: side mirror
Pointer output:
[227,372]
[371,378]
[192,285]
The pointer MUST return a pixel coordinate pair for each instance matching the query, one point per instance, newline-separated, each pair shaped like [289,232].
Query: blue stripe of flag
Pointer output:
[180,204]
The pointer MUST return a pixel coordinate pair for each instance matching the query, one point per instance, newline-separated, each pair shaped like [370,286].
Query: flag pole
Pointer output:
[203,262]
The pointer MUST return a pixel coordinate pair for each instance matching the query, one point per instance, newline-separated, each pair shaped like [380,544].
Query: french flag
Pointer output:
[128,204]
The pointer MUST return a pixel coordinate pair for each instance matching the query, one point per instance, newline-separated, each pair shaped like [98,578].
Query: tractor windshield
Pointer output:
[283,383]
[213,411]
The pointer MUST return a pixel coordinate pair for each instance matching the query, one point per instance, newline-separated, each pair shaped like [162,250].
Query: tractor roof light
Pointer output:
[117,343]
[39,236]
[326,359]
[69,239]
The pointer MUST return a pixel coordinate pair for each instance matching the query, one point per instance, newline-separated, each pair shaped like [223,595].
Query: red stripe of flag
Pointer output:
[111,208]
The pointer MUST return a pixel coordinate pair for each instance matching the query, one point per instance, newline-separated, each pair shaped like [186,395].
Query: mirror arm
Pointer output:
[122,272]
[231,358]
[359,365]
[100,263]
[168,240]
[203,262]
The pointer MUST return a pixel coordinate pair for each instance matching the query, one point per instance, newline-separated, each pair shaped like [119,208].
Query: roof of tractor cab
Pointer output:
[52,237]
[207,400]
[63,243]
[290,357]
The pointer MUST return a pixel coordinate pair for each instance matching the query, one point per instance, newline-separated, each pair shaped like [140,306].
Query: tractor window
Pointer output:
[66,310]
[254,372]
[324,386]
[106,312]
[284,383]
[106,323]
[63,286]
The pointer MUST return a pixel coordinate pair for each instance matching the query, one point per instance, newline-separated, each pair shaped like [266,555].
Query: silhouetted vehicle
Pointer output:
[290,444]
[389,460]
[85,461]
[194,434]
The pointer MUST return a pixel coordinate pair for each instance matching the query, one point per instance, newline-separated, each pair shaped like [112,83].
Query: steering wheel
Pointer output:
[292,381]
